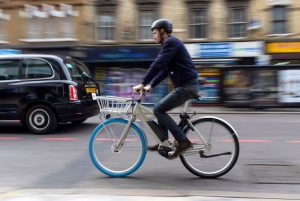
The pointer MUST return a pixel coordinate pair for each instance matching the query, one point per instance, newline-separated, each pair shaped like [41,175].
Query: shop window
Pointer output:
[198,23]
[237,22]
[146,18]
[106,27]
[279,17]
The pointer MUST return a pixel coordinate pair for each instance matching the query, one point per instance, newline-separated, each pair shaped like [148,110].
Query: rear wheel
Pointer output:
[217,155]
[40,119]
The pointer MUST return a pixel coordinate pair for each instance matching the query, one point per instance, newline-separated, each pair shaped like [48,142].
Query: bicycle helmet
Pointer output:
[162,24]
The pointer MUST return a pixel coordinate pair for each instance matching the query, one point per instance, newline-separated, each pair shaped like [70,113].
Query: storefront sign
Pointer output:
[209,50]
[235,49]
[215,50]
[247,49]
[283,47]
[121,53]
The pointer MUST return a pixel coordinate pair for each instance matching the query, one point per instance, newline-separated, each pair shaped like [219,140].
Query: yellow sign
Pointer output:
[283,47]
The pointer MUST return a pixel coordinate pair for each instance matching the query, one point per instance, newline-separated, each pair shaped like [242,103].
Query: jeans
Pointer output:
[174,99]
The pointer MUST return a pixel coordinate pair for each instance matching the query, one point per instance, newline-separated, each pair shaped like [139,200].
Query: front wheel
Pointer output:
[117,162]
[213,154]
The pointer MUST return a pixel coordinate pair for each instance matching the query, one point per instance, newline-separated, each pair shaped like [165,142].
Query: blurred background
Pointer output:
[247,52]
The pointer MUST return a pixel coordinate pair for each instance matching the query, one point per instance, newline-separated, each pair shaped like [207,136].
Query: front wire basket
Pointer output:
[114,104]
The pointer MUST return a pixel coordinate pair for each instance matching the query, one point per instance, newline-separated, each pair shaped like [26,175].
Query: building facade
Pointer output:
[41,26]
[113,36]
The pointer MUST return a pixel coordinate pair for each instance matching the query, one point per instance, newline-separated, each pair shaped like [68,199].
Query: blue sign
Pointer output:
[10,51]
[119,54]
[215,49]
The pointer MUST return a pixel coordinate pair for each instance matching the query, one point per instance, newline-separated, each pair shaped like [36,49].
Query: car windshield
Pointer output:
[77,69]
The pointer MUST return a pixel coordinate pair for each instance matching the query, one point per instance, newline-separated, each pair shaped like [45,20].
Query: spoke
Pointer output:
[110,133]
[211,130]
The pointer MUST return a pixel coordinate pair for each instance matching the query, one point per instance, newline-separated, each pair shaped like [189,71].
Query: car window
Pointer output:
[36,68]
[9,69]
[77,69]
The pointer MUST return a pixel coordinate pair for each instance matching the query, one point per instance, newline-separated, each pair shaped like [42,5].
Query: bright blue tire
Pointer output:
[103,156]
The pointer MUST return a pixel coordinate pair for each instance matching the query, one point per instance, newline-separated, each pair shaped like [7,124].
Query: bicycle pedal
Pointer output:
[164,150]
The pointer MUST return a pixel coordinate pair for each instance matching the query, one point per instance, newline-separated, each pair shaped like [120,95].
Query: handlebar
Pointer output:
[141,93]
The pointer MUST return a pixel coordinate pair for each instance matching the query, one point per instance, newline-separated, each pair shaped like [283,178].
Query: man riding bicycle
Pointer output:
[173,60]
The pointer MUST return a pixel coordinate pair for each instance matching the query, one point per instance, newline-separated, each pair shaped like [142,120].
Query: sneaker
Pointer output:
[182,146]
[153,148]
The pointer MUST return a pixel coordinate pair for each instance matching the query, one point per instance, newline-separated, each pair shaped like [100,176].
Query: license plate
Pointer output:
[90,90]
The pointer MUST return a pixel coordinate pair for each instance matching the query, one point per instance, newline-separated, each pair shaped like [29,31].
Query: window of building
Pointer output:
[68,14]
[147,14]
[237,22]
[279,17]
[106,27]
[49,22]
[2,35]
[146,18]
[3,18]
[198,20]
[198,23]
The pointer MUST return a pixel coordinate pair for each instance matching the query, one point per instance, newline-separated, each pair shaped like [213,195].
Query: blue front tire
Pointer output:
[106,159]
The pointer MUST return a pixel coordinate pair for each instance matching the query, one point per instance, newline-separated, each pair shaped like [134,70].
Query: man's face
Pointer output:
[156,35]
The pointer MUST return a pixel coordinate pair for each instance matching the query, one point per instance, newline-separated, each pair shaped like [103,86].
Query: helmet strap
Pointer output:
[161,36]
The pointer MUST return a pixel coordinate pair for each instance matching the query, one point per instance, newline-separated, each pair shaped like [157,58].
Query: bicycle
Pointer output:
[215,142]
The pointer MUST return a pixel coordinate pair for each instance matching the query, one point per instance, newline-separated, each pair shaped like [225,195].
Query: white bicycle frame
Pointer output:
[141,112]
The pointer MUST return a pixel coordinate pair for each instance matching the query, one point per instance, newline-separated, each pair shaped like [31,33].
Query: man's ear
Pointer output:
[161,31]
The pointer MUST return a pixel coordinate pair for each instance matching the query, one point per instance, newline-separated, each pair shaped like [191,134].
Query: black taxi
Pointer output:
[44,90]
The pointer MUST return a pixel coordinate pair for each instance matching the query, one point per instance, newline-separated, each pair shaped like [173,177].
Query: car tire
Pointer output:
[40,119]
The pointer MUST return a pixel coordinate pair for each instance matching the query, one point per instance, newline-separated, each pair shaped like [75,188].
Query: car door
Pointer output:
[9,89]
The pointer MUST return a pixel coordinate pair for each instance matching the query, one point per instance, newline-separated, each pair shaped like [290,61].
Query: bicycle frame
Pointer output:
[141,112]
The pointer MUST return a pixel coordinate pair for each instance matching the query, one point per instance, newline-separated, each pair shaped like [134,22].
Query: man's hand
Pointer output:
[148,88]
[137,88]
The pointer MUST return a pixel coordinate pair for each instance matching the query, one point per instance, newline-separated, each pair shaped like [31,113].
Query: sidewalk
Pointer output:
[134,195]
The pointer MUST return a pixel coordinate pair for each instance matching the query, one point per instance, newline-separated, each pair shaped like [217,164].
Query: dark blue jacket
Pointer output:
[175,61]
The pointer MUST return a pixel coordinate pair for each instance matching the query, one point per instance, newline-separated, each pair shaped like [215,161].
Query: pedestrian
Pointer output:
[174,61]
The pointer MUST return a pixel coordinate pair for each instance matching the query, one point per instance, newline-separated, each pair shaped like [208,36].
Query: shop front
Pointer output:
[118,68]
[217,85]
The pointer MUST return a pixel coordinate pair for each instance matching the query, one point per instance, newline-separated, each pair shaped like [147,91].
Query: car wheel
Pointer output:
[40,119]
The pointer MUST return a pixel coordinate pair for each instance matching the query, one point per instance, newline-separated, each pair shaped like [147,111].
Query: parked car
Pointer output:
[44,90]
